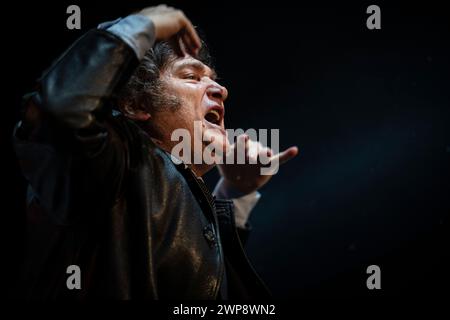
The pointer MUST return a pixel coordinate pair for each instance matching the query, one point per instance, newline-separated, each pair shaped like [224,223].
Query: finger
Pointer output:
[285,156]
[187,42]
[190,47]
[194,40]
[264,151]
[177,46]
[264,155]
[254,150]
[247,142]
[241,149]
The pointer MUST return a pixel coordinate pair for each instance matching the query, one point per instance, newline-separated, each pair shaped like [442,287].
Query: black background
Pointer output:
[368,109]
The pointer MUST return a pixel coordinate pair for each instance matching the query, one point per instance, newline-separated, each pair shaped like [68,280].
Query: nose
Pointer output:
[217,92]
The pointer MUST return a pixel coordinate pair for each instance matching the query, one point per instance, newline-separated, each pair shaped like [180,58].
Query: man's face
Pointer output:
[201,99]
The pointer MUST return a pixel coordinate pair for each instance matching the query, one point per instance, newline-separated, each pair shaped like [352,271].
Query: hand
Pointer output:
[172,25]
[247,177]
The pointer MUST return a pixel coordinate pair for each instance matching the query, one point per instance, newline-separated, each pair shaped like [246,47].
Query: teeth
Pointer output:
[216,114]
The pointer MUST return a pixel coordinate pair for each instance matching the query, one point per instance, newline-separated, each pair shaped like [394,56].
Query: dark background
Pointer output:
[368,109]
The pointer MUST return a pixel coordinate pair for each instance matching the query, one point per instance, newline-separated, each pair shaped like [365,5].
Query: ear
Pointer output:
[138,115]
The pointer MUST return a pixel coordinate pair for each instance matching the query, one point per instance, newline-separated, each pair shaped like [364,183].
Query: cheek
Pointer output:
[187,115]
[183,118]
[192,95]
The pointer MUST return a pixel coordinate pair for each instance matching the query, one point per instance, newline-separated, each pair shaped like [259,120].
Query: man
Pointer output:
[104,193]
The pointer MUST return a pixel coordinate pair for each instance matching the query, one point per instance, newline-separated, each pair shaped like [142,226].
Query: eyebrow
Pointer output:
[198,66]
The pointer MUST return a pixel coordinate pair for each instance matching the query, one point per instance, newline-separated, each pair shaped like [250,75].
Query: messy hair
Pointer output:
[145,89]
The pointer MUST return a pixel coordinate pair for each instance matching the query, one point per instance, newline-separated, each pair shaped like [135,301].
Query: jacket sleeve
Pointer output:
[67,145]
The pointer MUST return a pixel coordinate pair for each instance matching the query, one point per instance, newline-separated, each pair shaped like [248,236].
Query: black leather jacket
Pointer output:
[102,196]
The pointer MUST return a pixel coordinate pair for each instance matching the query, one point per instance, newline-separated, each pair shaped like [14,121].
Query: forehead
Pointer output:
[188,62]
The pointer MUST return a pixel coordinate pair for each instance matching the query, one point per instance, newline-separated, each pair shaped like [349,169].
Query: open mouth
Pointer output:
[214,116]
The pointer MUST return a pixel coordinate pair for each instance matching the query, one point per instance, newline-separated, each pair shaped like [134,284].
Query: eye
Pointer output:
[192,76]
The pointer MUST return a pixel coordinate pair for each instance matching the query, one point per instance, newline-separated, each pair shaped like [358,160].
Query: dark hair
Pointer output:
[145,90]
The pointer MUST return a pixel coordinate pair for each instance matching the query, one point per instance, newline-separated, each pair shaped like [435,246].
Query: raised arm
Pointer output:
[69,149]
